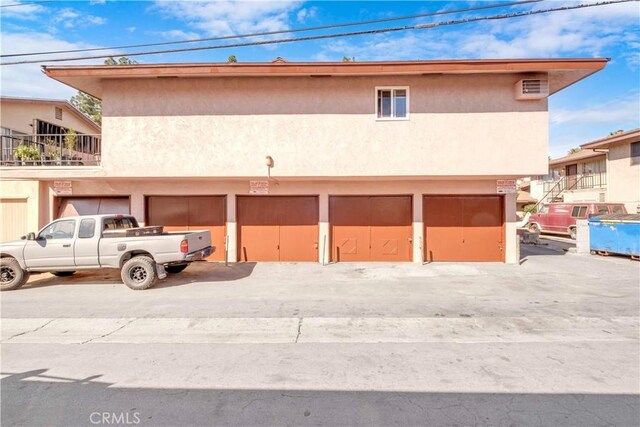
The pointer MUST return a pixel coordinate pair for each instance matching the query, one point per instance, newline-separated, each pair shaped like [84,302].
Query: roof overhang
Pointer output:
[561,72]
[574,158]
[619,138]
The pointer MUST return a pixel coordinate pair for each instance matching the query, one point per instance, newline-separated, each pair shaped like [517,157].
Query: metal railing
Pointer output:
[554,189]
[578,182]
[50,150]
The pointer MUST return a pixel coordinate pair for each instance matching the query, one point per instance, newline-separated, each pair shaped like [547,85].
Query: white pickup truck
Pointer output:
[143,254]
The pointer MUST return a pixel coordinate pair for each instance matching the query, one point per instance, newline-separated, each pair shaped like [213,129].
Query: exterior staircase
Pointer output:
[557,189]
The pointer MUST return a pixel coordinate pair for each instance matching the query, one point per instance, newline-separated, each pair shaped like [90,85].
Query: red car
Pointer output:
[561,217]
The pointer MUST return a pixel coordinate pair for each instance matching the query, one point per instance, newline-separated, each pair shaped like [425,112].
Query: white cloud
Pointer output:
[97,2]
[71,18]
[28,80]
[231,17]
[179,35]
[131,29]
[306,13]
[27,12]
[96,20]
[591,32]
[617,111]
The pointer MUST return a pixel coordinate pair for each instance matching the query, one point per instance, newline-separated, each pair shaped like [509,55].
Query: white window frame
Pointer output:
[392,89]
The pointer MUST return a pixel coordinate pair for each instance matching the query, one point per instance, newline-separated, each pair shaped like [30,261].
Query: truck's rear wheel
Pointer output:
[139,273]
[173,269]
[12,276]
[573,233]
[62,273]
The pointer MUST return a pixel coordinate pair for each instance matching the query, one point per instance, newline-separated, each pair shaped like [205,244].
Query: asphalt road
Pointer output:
[552,341]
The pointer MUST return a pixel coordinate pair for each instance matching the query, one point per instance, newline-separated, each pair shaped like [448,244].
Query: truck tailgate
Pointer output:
[198,240]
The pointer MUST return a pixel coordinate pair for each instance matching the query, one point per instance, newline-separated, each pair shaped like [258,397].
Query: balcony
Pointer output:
[578,182]
[71,149]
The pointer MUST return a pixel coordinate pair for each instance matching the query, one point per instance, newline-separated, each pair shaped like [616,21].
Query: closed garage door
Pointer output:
[73,206]
[14,219]
[277,228]
[371,228]
[183,213]
[463,228]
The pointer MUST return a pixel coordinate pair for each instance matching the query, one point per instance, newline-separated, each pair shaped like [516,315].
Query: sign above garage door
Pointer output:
[259,187]
[63,188]
[504,186]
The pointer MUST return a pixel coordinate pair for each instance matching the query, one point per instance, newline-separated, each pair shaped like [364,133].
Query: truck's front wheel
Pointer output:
[139,273]
[12,276]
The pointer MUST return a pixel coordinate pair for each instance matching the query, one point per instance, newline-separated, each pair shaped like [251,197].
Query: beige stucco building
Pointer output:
[605,170]
[622,151]
[364,161]
[23,202]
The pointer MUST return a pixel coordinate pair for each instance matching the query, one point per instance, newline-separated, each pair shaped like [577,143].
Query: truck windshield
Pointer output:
[119,223]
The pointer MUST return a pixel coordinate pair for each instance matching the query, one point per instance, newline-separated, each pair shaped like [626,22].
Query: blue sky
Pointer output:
[590,109]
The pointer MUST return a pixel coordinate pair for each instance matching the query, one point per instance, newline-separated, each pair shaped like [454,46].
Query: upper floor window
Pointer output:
[392,103]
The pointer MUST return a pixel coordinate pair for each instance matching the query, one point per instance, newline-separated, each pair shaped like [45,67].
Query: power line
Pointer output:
[270,33]
[350,34]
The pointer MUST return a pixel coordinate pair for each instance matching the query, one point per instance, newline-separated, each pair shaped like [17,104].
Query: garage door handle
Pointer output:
[68,245]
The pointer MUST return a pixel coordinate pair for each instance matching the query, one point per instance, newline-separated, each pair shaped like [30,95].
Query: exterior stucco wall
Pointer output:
[587,195]
[624,177]
[460,125]
[138,189]
[18,116]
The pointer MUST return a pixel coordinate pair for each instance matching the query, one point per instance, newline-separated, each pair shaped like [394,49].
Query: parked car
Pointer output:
[561,217]
[143,254]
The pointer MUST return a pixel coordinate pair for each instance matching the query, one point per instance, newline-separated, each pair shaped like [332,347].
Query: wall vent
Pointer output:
[532,89]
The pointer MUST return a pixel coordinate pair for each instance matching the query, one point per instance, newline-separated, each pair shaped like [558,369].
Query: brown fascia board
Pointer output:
[630,135]
[584,155]
[67,73]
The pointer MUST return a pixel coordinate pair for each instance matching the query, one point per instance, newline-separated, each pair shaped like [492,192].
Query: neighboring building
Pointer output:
[622,152]
[578,177]
[356,161]
[605,170]
[40,126]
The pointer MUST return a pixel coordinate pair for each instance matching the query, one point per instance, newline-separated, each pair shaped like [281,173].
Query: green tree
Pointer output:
[574,150]
[232,59]
[123,60]
[91,106]
[347,59]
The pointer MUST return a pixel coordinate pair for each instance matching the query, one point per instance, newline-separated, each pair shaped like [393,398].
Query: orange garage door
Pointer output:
[277,228]
[72,206]
[371,228]
[182,213]
[463,228]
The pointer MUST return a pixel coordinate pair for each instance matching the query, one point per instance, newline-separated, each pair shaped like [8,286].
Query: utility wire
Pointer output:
[270,33]
[329,36]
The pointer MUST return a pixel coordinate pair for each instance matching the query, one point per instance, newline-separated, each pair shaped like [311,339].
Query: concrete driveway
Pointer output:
[552,341]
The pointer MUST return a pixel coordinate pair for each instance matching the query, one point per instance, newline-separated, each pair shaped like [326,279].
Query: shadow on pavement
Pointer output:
[527,250]
[195,273]
[34,398]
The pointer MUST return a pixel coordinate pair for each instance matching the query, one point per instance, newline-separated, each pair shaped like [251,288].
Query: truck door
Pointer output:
[53,246]
[86,245]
